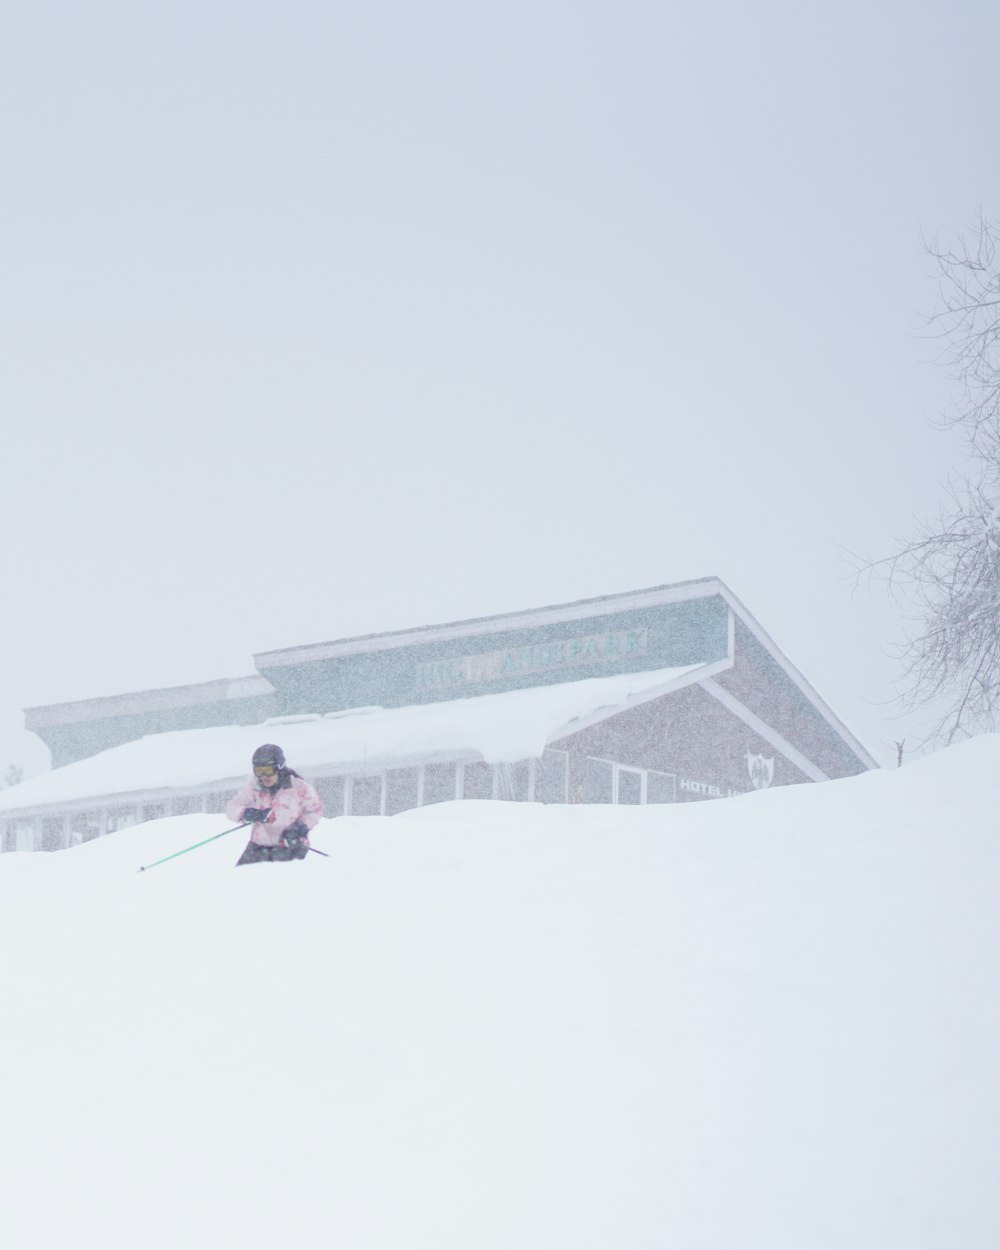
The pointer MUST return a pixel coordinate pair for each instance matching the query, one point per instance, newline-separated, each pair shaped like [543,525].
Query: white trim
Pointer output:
[771,736]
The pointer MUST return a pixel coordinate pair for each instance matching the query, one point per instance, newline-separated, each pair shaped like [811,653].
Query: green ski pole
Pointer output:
[195,847]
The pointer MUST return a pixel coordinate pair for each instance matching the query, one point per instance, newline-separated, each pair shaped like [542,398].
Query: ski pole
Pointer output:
[195,847]
[325,854]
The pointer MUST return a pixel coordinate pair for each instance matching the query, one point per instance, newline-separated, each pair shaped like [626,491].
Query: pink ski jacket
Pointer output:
[287,803]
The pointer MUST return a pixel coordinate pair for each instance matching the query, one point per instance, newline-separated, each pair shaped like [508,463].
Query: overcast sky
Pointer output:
[319,319]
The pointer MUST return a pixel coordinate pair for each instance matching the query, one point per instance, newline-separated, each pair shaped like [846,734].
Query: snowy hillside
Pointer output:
[766,1023]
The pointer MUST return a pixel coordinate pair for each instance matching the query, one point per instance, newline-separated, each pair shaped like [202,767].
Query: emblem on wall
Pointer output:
[761,771]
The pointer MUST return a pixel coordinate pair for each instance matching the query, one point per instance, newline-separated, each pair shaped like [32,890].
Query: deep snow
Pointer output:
[766,1022]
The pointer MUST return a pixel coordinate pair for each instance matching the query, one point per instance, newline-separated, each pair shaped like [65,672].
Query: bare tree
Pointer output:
[948,575]
[967,322]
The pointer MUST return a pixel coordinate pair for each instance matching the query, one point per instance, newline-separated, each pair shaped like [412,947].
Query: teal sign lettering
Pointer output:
[515,662]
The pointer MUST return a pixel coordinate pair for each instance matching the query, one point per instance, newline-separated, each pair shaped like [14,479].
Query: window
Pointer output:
[53,834]
[22,833]
[184,805]
[661,787]
[366,796]
[216,802]
[122,818]
[599,785]
[477,781]
[550,777]
[153,811]
[607,782]
[439,783]
[512,781]
[400,790]
[83,827]
[629,786]
[331,793]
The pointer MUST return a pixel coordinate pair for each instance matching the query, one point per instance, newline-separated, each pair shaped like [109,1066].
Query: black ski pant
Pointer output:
[256,854]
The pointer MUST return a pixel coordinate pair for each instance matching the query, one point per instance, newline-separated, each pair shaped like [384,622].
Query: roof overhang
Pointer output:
[581,609]
[498,728]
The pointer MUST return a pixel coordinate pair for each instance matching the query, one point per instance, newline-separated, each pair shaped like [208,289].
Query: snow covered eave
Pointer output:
[497,728]
[696,673]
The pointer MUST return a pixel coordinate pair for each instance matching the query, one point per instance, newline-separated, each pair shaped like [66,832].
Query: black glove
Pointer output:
[255,815]
[294,834]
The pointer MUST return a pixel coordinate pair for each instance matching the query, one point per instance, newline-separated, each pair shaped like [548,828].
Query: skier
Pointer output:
[281,805]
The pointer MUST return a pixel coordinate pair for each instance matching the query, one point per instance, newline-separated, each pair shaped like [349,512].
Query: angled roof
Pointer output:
[564,614]
[219,690]
[687,625]
[578,609]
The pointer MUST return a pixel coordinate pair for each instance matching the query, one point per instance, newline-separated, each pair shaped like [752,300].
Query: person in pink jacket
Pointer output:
[281,806]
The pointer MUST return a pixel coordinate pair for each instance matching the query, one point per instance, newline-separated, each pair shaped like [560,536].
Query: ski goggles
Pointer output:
[265,770]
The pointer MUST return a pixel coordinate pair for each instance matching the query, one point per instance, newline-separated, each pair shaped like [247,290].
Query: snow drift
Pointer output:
[768,1022]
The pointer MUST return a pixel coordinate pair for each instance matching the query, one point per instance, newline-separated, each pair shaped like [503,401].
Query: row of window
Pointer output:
[400,789]
[528,781]
[56,833]
[607,782]
[386,793]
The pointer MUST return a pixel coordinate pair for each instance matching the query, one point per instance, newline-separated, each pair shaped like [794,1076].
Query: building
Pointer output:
[664,695]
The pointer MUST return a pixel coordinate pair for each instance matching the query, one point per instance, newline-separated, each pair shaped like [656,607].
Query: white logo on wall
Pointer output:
[761,771]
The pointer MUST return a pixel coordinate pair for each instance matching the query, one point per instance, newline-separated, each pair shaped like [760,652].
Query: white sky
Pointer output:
[318,320]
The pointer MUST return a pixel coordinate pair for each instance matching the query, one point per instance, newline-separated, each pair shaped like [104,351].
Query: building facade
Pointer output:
[671,694]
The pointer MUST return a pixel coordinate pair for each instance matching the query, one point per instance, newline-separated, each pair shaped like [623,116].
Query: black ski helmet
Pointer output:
[269,754]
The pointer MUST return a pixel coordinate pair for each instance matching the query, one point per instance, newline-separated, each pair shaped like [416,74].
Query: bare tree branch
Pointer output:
[967,320]
[947,575]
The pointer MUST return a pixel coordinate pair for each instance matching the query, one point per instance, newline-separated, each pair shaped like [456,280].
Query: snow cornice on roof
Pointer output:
[498,728]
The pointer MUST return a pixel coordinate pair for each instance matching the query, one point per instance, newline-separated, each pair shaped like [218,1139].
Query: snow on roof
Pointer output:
[513,725]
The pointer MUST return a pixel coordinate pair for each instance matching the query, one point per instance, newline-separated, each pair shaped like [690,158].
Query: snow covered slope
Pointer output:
[768,1022]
